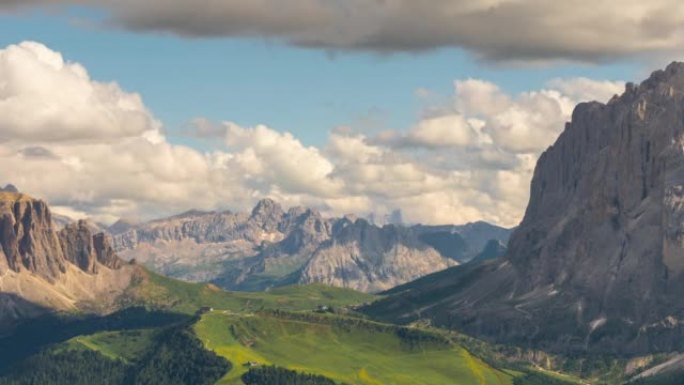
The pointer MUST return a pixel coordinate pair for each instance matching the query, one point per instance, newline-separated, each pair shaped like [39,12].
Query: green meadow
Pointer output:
[126,345]
[346,350]
[309,329]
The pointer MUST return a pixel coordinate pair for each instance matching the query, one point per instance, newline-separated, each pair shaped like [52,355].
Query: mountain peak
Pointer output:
[672,74]
[266,205]
[604,223]
[602,237]
[121,226]
[268,214]
[190,213]
[267,208]
[9,188]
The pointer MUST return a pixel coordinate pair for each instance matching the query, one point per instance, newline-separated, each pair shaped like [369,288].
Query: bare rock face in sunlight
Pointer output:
[85,250]
[272,247]
[598,260]
[604,220]
[41,268]
[28,240]
[372,258]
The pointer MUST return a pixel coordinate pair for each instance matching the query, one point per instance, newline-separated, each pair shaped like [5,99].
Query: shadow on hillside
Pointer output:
[14,307]
[34,335]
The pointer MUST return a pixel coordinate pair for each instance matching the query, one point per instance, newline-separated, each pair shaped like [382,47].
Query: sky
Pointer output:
[113,109]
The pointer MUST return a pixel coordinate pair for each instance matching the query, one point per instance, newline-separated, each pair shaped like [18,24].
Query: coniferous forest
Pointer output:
[177,358]
[273,375]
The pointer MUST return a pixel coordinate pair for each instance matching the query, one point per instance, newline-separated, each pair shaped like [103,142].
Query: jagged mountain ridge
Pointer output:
[42,269]
[272,247]
[598,261]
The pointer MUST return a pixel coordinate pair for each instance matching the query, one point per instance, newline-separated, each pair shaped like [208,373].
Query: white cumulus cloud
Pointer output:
[90,147]
[42,96]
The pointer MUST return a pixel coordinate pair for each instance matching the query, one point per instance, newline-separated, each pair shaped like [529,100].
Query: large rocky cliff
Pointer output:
[27,237]
[598,260]
[271,247]
[44,270]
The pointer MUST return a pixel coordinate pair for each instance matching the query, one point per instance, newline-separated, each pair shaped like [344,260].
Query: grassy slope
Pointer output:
[355,355]
[189,297]
[126,345]
[237,331]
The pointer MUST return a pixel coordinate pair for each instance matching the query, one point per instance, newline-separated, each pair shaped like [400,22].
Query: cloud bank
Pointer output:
[92,148]
[518,30]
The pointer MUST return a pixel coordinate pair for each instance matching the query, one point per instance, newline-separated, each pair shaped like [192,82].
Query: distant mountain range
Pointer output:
[271,247]
[118,323]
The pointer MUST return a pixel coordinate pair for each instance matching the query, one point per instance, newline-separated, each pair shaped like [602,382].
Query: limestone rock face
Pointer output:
[271,247]
[372,258]
[43,270]
[268,214]
[598,260]
[605,217]
[85,250]
[27,237]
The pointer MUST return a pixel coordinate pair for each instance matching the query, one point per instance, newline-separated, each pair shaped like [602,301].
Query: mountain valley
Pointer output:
[586,290]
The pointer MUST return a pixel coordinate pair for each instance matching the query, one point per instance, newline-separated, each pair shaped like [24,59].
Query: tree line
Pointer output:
[176,358]
[273,375]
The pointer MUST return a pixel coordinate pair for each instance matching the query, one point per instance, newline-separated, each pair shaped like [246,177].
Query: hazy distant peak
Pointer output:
[10,188]
[121,226]
[267,206]
[192,213]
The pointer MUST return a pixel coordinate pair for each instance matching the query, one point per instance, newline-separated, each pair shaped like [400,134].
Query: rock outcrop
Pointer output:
[272,247]
[85,250]
[45,270]
[27,237]
[370,258]
[598,260]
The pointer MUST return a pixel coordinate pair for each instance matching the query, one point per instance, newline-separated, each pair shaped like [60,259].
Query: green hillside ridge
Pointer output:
[125,345]
[312,329]
[154,290]
[346,350]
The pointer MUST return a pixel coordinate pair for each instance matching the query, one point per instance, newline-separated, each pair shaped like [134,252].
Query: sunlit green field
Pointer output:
[126,345]
[282,327]
[355,355]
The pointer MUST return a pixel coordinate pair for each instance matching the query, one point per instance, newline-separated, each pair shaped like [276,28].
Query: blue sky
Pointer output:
[257,81]
[303,68]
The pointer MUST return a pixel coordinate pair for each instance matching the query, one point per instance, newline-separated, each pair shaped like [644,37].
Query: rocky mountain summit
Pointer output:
[271,247]
[598,260]
[42,268]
